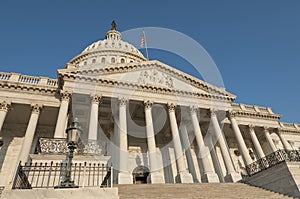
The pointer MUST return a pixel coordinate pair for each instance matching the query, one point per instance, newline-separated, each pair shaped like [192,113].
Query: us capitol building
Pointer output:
[147,121]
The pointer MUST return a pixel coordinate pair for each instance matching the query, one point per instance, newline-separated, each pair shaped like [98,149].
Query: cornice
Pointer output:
[31,88]
[213,91]
[256,115]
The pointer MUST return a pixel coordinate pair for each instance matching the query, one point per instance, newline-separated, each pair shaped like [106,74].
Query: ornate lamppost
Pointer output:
[73,134]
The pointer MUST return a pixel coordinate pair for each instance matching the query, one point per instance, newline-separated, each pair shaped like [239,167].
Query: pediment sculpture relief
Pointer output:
[155,77]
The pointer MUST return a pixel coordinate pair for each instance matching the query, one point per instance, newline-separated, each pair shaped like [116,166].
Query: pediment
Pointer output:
[151,74]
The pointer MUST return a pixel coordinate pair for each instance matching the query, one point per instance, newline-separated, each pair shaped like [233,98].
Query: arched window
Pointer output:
[94,61]
[85,63]
[113,60]
[103,60]
[122,60]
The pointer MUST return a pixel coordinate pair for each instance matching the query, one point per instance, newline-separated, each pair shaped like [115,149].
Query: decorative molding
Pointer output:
[148,104]
[4,106]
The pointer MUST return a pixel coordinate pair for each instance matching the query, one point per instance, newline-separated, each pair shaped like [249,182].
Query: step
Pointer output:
[195,191]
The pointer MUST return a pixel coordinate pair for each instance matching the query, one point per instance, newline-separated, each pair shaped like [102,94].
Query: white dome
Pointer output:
[111,50]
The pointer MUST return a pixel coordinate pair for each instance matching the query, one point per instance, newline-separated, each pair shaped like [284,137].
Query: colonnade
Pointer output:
[183,176]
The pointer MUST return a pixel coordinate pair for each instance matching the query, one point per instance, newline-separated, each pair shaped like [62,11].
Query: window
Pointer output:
[113,60]
[103,60]
[85,63]
[122,60]
[94,61]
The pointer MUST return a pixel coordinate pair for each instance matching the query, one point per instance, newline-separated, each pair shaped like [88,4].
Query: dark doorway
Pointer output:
[140,175]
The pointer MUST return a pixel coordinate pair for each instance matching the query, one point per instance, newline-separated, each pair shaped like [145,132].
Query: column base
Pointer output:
[125,178]
[210,177]
[184,177]
[233,177]
[155,178]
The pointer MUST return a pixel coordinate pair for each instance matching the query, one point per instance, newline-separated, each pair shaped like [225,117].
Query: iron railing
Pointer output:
[49,175]
[273,159]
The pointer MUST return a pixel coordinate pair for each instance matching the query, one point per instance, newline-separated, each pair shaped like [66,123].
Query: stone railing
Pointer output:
[291,126]
[251,108]
[15,77]
[58,146]
[273,159]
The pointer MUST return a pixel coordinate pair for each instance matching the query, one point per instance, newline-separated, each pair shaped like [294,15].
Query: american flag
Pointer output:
[142,41]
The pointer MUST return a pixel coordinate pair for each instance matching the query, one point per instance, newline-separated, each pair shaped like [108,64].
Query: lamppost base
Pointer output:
[66,184]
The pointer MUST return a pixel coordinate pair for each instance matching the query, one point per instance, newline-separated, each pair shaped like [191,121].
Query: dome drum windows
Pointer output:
[113,60]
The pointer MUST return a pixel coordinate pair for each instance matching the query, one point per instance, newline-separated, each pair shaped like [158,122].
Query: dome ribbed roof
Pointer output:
[111,50]
[112,42]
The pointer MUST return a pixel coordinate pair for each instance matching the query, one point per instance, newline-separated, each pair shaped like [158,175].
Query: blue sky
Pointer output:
[255,44]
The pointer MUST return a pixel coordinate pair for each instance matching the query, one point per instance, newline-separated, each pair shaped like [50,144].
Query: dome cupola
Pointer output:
[111,50]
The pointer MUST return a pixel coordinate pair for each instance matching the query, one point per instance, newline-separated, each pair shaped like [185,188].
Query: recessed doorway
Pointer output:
[140,175]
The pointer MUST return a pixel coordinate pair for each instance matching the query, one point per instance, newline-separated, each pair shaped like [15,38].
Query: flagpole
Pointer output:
[146,45]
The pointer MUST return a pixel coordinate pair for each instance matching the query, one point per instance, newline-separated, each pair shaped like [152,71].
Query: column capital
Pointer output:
[251,126]
[36,108]
[193,109]
[95,99]
[266,129]
[4,106]
[212,112]
[230,114]
[148,104]
[171,107]
[65,95]
[123,101]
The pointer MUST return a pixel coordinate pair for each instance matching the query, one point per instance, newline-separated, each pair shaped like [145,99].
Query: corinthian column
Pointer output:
[4,107]
[93,126]
[208,169]
[285,144]
[29,135]
[183,175]
[124,176]
[232,175]
[62,115]
[155,176]
[255,142]
[240,140]
[269,139]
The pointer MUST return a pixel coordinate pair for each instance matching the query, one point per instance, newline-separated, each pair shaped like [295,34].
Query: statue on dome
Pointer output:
[113,25]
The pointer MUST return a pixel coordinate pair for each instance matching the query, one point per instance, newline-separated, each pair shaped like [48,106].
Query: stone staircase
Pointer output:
[195,191]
